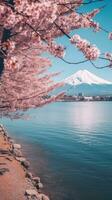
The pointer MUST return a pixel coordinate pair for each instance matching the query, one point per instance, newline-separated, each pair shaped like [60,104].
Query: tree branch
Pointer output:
[85,3]
[106,66]
[73,63]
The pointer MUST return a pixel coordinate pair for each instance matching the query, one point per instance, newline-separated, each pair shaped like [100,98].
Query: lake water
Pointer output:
[69,145]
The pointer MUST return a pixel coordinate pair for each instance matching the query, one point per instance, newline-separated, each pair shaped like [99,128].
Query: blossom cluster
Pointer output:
[44,12]
[26,86]
[8,18]
[91,52]
[11,63]
[56,50]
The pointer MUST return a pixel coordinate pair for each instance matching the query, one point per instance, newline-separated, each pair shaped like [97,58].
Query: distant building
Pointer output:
[80,94]
[88,98]
[80,97]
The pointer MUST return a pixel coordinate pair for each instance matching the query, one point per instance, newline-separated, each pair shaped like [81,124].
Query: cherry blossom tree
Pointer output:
[28,29]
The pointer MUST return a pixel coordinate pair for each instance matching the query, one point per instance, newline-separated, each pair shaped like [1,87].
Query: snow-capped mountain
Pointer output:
[86,83]
[85,77]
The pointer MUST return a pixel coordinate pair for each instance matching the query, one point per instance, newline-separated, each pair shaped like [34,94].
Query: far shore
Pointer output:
[16,181]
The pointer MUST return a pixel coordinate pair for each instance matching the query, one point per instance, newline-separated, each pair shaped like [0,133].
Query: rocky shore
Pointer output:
[16,181]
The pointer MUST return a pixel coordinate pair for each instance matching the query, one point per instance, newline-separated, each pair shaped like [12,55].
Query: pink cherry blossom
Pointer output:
[91,52]
[28,30]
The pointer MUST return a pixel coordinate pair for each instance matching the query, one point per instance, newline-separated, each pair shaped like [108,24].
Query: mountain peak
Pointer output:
[84,76]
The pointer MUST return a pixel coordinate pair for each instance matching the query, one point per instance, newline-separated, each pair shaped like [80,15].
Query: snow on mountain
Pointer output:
[86,83]
[85,77]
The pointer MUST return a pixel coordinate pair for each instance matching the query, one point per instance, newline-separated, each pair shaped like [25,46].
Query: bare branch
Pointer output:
[106,66]
[74,63]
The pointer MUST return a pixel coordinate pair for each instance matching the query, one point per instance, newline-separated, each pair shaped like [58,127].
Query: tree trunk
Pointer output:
[1,65]
[10,2]
[6,35]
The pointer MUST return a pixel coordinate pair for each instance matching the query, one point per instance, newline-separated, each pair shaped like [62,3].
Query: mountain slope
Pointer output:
[86,83]
[84,76]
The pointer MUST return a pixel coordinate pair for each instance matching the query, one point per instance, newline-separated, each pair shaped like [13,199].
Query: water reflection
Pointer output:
[84,116]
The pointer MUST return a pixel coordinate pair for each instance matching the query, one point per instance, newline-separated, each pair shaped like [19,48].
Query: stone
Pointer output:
[17,152]
[3,170]
[4,151]
[31,192]
[6,134]
[36,179]
[43,197]
[26,164]
[1,127]
[32,198]
[20,159]
[16,146]
[9,138]
[11,141]
[39,185]
[29,175]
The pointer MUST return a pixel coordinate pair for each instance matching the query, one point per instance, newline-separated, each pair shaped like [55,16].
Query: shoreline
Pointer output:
[16,181]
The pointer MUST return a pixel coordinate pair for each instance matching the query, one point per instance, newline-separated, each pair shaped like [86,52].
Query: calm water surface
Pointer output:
[70,148]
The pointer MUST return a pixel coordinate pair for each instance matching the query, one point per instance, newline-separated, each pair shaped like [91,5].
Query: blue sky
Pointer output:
[100,39]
